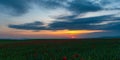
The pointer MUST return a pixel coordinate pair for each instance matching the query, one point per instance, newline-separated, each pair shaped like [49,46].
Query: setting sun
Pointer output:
[73,37]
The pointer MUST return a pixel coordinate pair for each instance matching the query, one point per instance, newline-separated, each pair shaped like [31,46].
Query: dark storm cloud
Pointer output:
[76,24]
[29,26]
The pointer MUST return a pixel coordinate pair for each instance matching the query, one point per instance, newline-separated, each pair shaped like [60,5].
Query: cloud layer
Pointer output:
[83,14]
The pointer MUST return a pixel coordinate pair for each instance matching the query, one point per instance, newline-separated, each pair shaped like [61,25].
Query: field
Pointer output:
[60,49]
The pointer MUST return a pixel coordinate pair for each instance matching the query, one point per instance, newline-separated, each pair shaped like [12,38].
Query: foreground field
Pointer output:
[64,49]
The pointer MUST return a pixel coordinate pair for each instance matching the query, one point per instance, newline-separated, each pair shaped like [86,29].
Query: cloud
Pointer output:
[81,6]
[78,6]
[18,6]
[107,4]
[78,24]
[107,34]
[98,13]
[76,14]
[75,24]
[106,22]
[29,26]
[110,4]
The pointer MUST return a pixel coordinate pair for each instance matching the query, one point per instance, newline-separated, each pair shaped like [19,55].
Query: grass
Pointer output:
[60,49]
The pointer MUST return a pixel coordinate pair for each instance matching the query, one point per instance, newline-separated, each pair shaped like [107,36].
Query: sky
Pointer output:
[43,19]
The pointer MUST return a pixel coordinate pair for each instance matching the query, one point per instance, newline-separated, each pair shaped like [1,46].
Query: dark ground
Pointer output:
[60,49]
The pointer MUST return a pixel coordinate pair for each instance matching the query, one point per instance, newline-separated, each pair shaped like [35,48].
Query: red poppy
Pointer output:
[64,58]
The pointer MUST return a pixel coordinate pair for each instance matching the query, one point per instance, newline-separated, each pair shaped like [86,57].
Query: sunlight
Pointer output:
[73,32]
[61,32]
[56,34]
[76,32]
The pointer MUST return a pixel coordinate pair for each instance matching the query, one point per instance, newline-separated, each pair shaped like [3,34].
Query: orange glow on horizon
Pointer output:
[53,34]
[60,32]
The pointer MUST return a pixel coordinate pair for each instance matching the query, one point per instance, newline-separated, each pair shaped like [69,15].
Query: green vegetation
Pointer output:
[66,49]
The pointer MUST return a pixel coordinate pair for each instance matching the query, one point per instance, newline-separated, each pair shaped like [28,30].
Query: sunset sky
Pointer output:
[21,19]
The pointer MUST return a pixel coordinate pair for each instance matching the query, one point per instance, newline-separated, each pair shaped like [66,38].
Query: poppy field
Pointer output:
[60,49]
